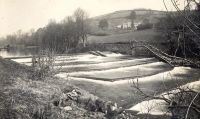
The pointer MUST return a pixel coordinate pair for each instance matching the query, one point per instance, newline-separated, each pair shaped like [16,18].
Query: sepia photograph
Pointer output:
[99,59]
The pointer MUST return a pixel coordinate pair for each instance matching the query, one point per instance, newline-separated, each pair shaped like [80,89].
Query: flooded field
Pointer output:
[111,76]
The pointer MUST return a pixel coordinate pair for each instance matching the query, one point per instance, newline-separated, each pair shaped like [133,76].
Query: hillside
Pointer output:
[149,35]
[120,17]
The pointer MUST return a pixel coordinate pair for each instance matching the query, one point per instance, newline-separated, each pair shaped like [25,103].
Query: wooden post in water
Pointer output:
[134,48]
[34,61]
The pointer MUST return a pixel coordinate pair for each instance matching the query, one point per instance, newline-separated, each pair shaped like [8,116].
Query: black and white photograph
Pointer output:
[99,59]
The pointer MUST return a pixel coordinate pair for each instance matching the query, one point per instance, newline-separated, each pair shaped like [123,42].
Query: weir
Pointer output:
[145,49]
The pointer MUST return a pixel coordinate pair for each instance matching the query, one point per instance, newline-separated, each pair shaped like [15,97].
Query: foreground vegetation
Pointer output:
[25,97]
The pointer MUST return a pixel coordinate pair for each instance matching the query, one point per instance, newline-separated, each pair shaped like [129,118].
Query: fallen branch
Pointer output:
[171,60]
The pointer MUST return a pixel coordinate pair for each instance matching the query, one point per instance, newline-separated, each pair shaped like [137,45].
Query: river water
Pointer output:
[112,77]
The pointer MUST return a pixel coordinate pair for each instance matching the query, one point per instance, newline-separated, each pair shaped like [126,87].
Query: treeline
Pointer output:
[57,37]
[182,30]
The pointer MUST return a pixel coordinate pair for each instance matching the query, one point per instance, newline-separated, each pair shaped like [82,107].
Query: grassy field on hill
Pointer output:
[149,35]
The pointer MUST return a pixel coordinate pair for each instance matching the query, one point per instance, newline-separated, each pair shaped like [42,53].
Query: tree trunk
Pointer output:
[132,24]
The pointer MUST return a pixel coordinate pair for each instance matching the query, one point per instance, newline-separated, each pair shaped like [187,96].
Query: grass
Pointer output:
[24,98]
[143,35]
[149,36]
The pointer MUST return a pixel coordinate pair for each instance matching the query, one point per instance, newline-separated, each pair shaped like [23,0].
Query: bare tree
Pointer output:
[186,28]
[81,23]
[132,17]
[183,101]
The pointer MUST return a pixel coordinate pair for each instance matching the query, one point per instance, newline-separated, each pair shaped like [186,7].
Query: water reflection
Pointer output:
[18,52]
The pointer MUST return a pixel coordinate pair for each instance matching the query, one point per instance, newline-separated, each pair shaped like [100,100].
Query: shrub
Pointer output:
[44,65]
[144,26]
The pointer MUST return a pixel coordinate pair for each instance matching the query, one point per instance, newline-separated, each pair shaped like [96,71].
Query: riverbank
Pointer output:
[24,98]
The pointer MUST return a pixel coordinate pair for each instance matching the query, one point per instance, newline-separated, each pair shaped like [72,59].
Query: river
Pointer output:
[112,77]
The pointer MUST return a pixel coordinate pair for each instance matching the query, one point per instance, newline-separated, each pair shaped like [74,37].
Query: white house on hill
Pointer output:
[127,25]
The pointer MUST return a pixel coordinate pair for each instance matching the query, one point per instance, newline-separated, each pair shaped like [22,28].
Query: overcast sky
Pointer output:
[27,14]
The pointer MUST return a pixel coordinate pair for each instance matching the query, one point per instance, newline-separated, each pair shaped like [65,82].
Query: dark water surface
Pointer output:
[18,52]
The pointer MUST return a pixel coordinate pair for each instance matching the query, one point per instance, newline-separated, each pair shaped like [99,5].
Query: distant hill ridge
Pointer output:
[126,13]
[119,17]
